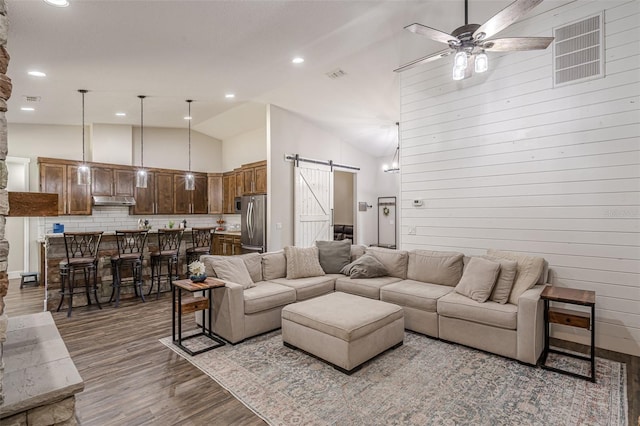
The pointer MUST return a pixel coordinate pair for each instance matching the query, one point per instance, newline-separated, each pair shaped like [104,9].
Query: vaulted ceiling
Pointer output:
[171,51]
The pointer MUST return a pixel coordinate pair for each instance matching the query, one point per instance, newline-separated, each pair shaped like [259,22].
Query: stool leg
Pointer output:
[118,282]
[114,271]
[95,285]
[153,274]
[62,293]
[138,277]
[72,277]
[86,284]
[21,282]
[159,277]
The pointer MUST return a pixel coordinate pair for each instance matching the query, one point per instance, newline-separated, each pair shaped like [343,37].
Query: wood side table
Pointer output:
[572,318]
[192,304]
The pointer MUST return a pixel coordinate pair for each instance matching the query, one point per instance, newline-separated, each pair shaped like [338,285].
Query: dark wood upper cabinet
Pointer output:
[254,178]
[145,197]
[199,201]
[190,202]
[229,191]
[182,197]
[123,182]
[53,180]
[101,181]
[215,193]
[78,196]
[164,193]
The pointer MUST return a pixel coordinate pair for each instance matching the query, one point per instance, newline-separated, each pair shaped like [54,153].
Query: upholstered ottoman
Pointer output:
[343,329]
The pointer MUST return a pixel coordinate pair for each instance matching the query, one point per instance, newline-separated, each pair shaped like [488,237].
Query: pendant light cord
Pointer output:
[466,12]
[82,92]
[190,118]
[141,130]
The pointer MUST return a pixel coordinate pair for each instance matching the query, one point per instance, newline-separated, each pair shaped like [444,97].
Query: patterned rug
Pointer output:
[423,382]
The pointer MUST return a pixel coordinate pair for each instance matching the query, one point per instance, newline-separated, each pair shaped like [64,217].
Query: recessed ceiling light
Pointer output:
[57,3]
[229,96]
[188,117]
[121,114]
[27,109]
[36,74]
[297,60]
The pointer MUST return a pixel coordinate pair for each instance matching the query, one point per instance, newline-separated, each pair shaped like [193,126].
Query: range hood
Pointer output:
[116,200]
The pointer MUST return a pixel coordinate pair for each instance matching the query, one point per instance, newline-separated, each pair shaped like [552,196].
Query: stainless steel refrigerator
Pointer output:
[254,223]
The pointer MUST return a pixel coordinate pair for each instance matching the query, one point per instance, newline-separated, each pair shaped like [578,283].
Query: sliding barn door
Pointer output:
[313,204]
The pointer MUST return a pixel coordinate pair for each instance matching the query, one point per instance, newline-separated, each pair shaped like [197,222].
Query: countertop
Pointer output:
[151,231]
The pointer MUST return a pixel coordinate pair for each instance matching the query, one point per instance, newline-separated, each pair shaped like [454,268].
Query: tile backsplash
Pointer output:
[112,218]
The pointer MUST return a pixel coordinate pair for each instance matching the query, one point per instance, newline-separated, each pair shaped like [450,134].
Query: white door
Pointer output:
[313,204]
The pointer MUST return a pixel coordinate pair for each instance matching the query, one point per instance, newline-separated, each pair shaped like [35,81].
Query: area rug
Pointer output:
[423,382]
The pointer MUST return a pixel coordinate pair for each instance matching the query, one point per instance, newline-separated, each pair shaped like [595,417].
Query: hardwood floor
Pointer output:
[131,378]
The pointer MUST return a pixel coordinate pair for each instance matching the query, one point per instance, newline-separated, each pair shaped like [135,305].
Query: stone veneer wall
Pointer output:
[5,93]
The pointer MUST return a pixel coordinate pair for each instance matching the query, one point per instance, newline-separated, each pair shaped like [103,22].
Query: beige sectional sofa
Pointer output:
[422,282]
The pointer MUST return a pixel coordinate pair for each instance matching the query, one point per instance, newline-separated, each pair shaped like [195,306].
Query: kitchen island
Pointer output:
[52,252]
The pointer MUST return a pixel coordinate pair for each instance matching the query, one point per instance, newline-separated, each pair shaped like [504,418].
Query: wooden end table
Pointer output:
[572,318]
[192,304]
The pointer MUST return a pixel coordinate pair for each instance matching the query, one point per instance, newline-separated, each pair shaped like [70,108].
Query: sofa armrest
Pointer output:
[228,312]
[530,323]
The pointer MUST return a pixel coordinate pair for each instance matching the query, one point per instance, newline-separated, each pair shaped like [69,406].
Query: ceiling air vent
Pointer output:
[337,73]
[31,99]
[578,51]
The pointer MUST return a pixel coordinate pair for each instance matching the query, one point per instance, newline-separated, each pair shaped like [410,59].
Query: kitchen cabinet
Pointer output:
[164,193]
[215,193]
[124,182]
[254,178]
[145,197]
[227,245]
[229,192]
[190,202]
[109,182]
[239,192]
[61,179]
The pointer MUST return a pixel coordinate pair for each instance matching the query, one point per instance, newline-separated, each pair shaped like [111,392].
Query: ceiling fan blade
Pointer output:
[432,33]
[517,43]
[424,60]
[504,18]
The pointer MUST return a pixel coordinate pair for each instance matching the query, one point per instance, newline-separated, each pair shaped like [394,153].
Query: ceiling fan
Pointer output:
[470,41]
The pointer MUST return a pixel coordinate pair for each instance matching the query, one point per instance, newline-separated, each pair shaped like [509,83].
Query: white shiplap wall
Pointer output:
[504,160]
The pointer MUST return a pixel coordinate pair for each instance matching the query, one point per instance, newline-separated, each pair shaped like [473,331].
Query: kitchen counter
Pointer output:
[151,231]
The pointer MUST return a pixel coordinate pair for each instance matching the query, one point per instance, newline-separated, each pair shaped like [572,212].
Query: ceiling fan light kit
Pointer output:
[471,41]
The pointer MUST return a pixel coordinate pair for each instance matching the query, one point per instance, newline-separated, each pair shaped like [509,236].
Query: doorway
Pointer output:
[344,211]
[17,228]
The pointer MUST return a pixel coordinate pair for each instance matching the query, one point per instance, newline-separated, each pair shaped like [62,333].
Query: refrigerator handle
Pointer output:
[250,221]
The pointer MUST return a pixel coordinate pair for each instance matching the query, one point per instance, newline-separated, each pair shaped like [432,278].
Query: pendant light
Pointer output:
[395,167]
[84,174]
[189,182]
[141,176]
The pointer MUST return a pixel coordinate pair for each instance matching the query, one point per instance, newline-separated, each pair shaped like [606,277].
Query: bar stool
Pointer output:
[82,255]
[202,239]
[130,251]
[169,241]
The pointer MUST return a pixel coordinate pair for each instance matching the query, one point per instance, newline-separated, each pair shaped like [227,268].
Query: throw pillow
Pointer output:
[435,267]
[395,261]
[274,265]
[478,279]
[253,261]
[231,268]
[302,262]
[357,250]
[528,271]
[505,281]
[334,255]
[366,266]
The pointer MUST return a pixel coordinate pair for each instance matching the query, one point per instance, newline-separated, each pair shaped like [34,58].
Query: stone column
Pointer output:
[5,93]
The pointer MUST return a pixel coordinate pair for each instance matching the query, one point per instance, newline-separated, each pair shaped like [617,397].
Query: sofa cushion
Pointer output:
[506,277]
[436,267]
[267,295]
[253,262]
[274,265]
[478,279]
[367,287]
[394,260]
[309,287]
[455,305]
[302,262]
[334,255]
[357,250]
[414,294]
[344,316]
[230,268]
[365,266]
[529,270]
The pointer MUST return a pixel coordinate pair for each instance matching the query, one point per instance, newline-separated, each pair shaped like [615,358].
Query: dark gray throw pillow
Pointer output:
[334,255]
[365,266]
